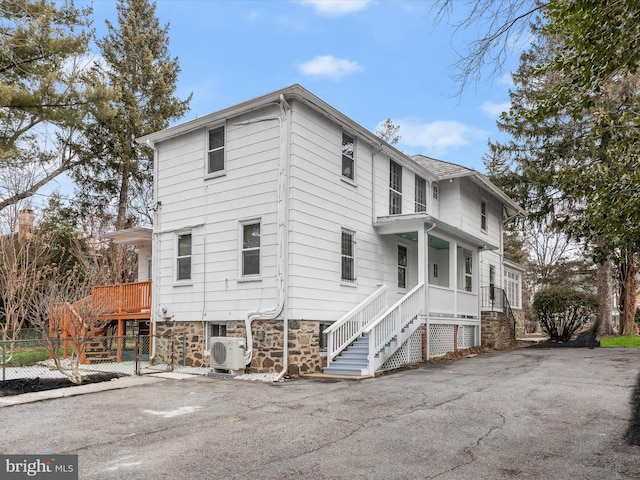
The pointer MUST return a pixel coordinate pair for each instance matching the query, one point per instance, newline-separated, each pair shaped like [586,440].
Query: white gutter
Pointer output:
[282,234]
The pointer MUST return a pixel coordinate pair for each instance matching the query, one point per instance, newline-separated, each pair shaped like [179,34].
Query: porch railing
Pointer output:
[344,331]
[393,325]
[123,298]
[495,299]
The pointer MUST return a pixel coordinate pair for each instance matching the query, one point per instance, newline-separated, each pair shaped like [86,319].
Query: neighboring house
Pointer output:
[282,221]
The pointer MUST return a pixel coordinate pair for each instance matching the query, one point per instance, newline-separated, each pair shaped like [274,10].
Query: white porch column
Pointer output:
[423,264]
[455,274]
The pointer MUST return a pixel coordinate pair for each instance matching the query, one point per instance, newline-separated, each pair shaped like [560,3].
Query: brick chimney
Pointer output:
[25,223]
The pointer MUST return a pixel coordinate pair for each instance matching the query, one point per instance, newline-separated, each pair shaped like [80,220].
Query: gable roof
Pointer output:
[448,171]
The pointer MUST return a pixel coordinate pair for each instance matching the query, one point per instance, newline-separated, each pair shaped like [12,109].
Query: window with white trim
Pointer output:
[183,261]
[402,266]
[421,194]
[250,249]
[434,192]
[214,330]
[217,330]
[512,286]
[347,251]
[468,271]
[483,215]
[395,188]
[215,151]
[348,157]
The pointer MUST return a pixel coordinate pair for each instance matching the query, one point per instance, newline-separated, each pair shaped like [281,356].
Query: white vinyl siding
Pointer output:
[212,208]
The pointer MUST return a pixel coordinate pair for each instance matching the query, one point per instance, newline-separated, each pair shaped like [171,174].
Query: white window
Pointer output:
[348,242]
[214,330]
[402,266]
[421,194]
[348,157]
[512,287]
[215,151]
[468,271]
[395,188]
[217,329]
[483,215]
[183,264]
[434,192]
[251,249]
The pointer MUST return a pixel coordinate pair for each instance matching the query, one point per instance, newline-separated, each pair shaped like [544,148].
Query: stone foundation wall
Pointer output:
[303,345]
[520,322]
[497,331]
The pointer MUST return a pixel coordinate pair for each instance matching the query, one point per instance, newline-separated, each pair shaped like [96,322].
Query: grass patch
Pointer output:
[625,341]
[28,358]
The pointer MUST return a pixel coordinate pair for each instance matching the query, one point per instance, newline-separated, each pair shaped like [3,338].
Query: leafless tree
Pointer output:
[504,23]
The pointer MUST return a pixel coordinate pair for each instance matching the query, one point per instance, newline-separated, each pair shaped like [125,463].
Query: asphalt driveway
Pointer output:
[526,414]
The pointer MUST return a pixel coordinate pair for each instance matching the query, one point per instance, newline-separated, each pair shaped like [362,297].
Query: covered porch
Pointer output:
[448,263]
[435,308]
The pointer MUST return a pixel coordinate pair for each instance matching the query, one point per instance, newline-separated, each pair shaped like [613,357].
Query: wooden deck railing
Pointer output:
[126,300]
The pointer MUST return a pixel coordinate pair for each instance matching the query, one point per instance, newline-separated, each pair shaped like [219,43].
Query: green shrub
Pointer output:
[562,311]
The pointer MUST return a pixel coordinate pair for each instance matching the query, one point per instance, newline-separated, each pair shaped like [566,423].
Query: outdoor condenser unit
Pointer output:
[227,353]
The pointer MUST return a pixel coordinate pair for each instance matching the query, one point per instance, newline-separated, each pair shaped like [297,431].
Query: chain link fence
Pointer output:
[28,358]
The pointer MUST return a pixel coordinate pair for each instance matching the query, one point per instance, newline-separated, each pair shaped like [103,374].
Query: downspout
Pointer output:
[282,242]
[154,249]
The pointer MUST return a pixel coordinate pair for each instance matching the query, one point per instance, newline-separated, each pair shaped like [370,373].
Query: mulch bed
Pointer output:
[25,385]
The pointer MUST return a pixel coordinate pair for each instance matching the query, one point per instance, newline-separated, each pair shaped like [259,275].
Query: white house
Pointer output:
[283,222]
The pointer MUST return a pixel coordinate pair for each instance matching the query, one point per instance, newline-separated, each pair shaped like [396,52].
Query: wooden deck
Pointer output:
[106,304]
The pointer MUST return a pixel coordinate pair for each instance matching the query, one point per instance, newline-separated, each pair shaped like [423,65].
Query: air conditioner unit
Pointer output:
[227,353]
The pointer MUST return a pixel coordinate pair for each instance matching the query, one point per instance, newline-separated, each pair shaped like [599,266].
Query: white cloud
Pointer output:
[495,109]
[327,66]
[337,7]
[438,137]
[507,79]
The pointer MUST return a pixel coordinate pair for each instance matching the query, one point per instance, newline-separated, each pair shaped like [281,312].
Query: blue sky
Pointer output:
[372,60]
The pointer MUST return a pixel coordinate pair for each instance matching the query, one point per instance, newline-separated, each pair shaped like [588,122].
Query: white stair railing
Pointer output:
[388,327]
[344,331]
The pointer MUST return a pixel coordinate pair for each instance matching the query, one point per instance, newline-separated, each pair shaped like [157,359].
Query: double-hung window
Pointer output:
[183,264]
[421,194]
[348,157]
[395,188]
[215,151]
[468,271]
[483,216]
[402,266]
[251,249]
[434,192]
[348,255]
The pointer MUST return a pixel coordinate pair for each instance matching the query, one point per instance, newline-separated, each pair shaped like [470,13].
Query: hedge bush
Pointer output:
[562,311]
